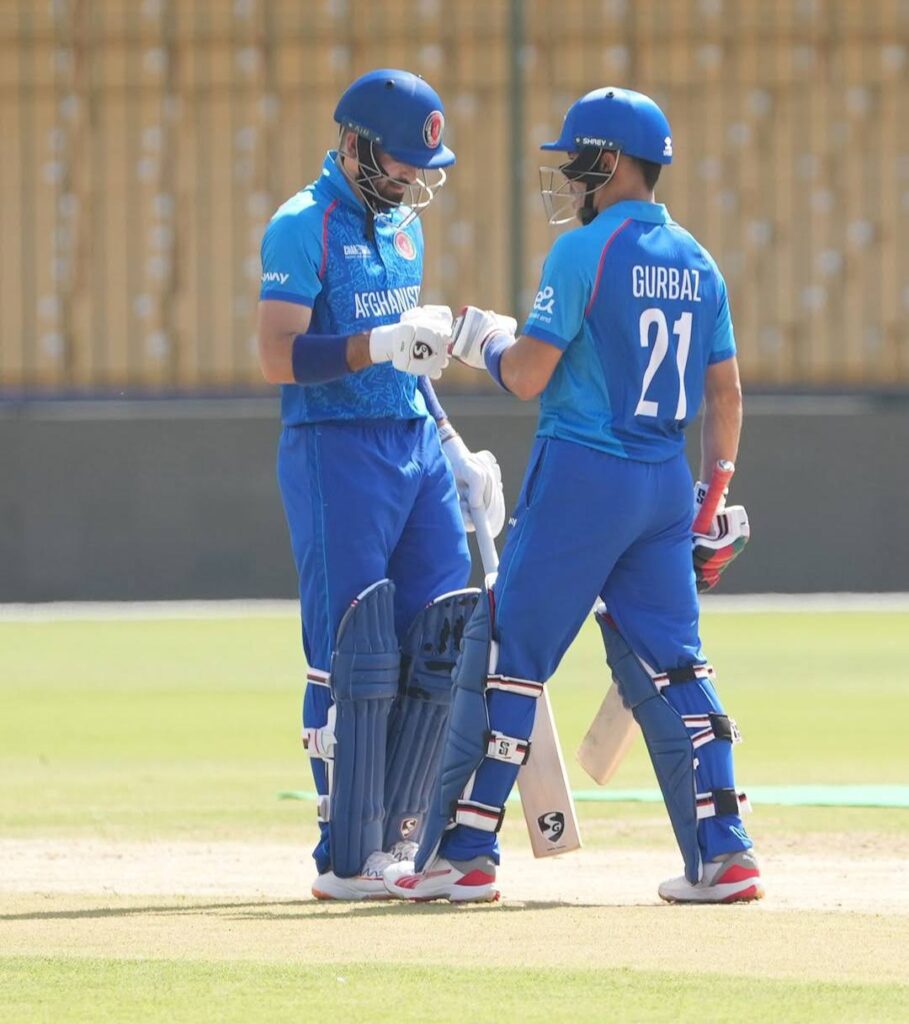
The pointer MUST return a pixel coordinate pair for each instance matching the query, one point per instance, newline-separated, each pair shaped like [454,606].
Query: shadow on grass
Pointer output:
[298,910]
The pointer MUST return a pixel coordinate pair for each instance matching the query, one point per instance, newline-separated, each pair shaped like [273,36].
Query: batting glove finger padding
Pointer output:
[712,553]
[478,478]
[471,330]
[416,346]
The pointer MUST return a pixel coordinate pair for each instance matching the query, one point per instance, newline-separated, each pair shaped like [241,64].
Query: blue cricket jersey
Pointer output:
[640,310]
[315,253]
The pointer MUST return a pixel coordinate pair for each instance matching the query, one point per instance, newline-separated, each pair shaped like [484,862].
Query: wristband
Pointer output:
[495,347]
[318,358]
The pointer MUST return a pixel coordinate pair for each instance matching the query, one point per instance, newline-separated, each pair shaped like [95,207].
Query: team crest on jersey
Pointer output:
[404,246]
[432,129]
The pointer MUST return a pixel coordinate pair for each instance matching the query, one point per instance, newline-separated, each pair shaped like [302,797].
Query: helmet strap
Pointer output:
[584,168]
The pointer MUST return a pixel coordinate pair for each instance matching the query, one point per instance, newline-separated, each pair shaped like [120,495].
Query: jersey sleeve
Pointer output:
[291,261]
[723,343]
[560,304]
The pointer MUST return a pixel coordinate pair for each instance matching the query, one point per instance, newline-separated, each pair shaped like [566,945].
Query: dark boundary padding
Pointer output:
[157,500]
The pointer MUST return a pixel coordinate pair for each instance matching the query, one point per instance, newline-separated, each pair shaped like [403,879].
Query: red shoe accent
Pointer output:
[753,892]
[737,873]
[477,877]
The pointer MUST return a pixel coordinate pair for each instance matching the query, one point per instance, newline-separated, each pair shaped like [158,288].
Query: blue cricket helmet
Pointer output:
[616,119]
[399,112]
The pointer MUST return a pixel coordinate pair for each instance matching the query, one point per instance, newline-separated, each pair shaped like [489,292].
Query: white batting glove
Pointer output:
[418,344]
[473,328]
[478,478]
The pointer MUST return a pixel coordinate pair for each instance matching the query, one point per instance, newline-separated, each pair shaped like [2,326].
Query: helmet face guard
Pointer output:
[564,203]
[416,195]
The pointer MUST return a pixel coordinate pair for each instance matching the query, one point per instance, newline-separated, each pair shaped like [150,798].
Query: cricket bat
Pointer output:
[546,799]
[614,729]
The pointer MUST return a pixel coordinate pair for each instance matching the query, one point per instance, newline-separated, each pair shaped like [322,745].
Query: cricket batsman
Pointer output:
[372,475]
[629,332]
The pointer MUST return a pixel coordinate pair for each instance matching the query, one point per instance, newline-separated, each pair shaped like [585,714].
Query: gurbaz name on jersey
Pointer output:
[648,282]
[391,300]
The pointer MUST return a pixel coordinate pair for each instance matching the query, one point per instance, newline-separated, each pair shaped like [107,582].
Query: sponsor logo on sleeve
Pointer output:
[275,277]
[543,303]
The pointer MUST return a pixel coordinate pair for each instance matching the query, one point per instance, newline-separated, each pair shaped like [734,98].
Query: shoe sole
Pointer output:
[321,894]
[491,897]
[358,898]
[748,894]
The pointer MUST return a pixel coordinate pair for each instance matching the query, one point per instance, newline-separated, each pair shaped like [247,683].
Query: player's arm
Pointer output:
[288,354]
[525,365]
[318,358]
[722,424]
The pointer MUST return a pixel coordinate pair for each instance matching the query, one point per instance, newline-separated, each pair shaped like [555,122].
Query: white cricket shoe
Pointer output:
[367,885]
[732,878]
[459,881]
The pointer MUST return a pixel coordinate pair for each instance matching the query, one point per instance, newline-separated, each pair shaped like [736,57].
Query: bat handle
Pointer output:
[485,542]
[719,481]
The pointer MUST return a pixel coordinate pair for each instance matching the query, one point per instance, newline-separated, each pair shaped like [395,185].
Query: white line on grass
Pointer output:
[55,611]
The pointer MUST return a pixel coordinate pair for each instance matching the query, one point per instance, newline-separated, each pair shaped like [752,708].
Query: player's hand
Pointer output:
[712,552]
[417,344]
[473,328]
[478,478]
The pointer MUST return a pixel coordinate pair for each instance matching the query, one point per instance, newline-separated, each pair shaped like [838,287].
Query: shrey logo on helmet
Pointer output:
[404,246]
[432,129]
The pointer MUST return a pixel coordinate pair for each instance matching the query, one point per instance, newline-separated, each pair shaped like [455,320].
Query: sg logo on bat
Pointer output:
[551,824]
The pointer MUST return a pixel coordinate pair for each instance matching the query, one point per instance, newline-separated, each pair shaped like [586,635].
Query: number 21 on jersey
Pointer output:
[682,330]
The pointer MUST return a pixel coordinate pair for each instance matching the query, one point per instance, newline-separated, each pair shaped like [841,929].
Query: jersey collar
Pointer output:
[637,209]
[334,182]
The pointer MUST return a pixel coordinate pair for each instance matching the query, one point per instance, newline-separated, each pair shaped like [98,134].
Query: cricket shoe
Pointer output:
[367,885]
[732,878]
[459,881]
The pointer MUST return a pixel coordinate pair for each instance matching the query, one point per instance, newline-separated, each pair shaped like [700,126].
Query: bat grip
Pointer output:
[719,480]
[485,541]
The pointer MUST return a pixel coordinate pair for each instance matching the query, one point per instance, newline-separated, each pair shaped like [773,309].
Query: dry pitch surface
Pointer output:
[832,913]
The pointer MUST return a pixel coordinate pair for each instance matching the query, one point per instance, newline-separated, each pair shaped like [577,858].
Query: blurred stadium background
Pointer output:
[145,143]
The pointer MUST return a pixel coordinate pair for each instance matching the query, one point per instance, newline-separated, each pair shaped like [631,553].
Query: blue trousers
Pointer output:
[365,500]
[590,524]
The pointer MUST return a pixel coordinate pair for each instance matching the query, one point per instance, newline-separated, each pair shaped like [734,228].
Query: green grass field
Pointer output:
[143,732]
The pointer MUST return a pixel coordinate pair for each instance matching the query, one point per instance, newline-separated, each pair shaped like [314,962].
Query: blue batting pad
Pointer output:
[416,726]
[667,742]
[365,668]
[466,735]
